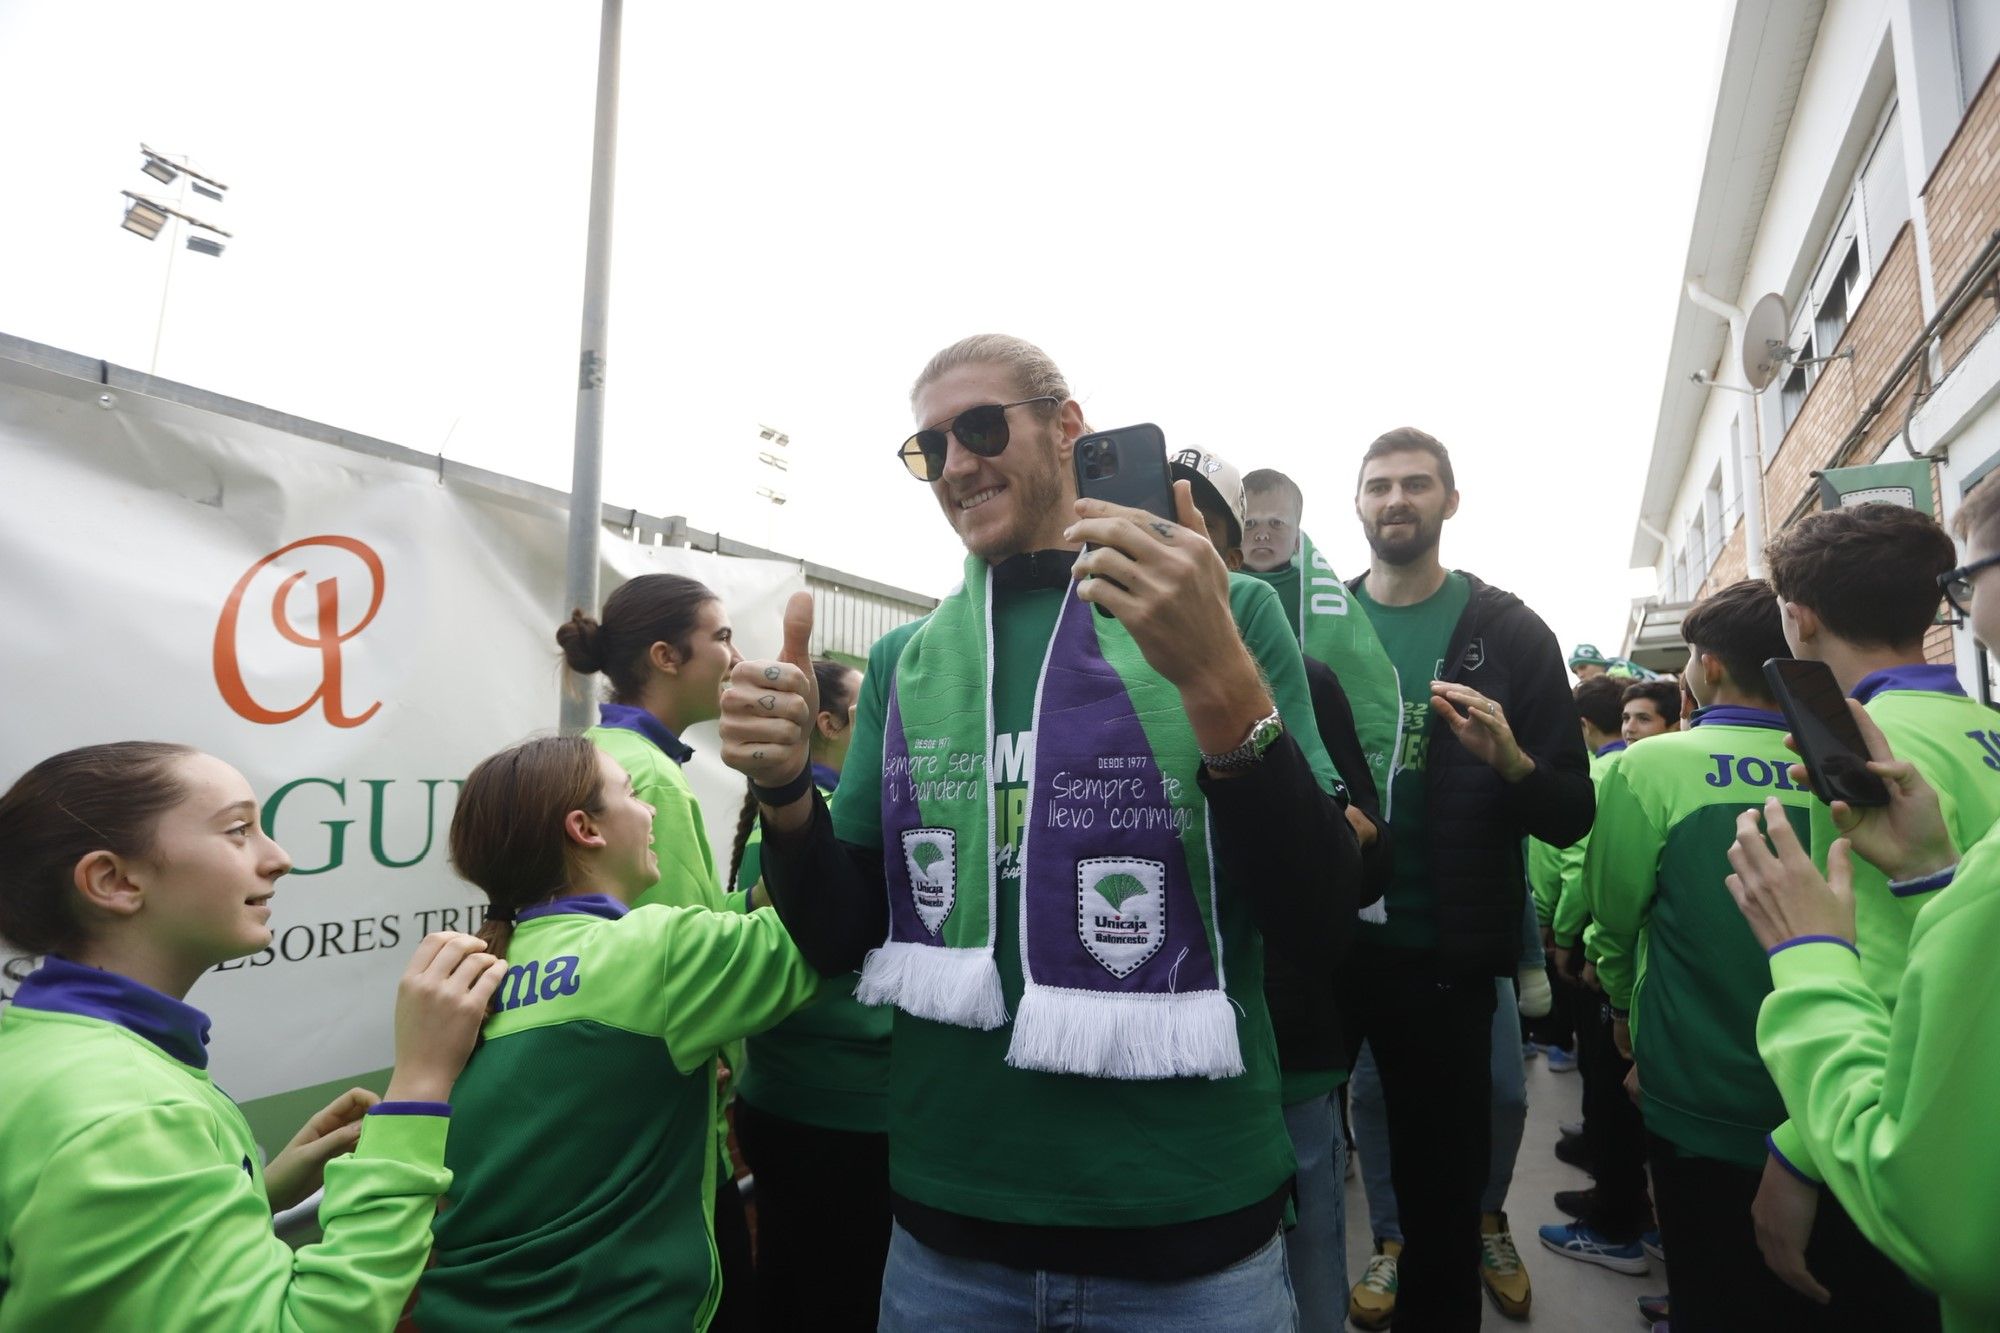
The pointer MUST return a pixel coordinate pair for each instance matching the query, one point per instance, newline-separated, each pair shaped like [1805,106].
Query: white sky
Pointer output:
[1276,230]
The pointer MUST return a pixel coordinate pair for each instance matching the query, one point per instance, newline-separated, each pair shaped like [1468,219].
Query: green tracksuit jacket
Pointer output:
[1898,1110]
[1569,911]
[1954,742]
[1673,949]
[132,1194]
[583,1167]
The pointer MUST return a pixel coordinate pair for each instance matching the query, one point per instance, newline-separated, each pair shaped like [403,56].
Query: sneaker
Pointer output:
[1500,1268]
[1574,1153]
[1576,1203]
[1560,1061]
[1528,1052]
[1571,1129]
[1652,1310]
[1372,1302]
[1577,1241]
[1651,1243]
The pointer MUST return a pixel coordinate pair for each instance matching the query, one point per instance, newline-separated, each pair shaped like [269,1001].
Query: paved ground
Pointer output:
[1570,1297]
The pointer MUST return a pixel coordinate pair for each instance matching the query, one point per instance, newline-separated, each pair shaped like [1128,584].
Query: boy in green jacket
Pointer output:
[1895,1104]
[1684,977]
[1859,591]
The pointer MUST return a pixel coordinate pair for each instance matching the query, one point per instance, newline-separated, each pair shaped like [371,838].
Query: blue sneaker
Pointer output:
[1650,1242]
[1577,1241]
[1559,1060]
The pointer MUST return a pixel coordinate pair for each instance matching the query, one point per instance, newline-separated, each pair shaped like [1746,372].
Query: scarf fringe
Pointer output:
[956,986]
[1376,913]
[1191,1034]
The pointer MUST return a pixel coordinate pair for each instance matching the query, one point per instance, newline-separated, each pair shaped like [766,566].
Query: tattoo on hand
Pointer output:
[768,702]
[770,673]
[758,755]
[1166,530]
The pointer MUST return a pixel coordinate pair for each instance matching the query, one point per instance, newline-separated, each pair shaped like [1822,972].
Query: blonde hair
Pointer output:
[1034,371]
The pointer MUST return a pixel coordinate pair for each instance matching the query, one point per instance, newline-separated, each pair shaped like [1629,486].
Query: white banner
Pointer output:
[350,632]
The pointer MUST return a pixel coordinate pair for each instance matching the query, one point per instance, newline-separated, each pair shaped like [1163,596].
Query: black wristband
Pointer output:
[779,797]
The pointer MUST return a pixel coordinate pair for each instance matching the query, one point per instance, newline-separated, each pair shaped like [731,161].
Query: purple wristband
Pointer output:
[411,1108]
[1815,939]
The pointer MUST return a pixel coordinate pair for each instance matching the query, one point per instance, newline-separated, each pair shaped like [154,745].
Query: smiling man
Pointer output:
[1489,753]
[1057,841]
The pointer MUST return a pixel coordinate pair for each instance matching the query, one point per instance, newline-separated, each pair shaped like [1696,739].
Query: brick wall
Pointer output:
[1962,205]
[1888,320]
[1729,566]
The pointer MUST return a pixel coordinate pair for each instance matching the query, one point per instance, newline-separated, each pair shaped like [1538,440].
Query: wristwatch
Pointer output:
[1263,733]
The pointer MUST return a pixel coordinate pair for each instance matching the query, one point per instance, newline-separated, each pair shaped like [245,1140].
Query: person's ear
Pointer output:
[1713,673]
[664,659]
[581,829]
[826,724]
[1232,556]
[1805,618]
[104,881]
[1451,504]
[1069,429]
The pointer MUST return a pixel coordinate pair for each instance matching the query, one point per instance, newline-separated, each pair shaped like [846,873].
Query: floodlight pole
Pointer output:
[166,288]
[586,487]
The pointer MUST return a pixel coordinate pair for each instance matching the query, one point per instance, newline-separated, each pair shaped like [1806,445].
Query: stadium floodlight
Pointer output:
[205,245]
[159,168]
[144,218]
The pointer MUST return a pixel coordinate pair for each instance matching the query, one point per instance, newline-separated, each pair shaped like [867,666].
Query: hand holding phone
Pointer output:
[1828,741]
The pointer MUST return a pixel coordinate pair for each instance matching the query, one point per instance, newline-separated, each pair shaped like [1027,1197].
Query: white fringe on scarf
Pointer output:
[956,986]
[1185,1035]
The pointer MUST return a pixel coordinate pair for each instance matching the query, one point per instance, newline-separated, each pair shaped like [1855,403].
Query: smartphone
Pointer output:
[1127,466]
[1829,742]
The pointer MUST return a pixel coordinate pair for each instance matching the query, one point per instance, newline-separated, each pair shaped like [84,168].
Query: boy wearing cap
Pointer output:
[1305,1016]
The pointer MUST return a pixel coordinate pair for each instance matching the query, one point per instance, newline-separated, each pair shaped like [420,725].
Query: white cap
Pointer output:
[1220,478]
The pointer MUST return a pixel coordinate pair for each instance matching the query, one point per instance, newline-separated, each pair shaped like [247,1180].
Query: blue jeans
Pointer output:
[924,1291]
[1316,1249]
[1510,1118]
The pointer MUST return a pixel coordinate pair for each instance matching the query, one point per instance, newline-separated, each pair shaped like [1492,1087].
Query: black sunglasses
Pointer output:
[982,429]
[1957,583]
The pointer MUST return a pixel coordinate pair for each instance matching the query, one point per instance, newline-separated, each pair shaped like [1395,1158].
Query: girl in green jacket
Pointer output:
[665,648]
[131,1192]
[583,1162]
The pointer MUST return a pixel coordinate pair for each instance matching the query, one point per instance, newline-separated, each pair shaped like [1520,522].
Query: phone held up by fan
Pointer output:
[1126,466]
[1829,743]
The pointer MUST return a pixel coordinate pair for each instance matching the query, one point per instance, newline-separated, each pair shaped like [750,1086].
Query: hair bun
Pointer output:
[581,640]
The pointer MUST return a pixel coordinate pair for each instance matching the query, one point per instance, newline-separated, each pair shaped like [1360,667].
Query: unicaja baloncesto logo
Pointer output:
[319,609]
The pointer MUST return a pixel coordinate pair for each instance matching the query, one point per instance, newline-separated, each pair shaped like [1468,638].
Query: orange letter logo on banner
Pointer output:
[327,638]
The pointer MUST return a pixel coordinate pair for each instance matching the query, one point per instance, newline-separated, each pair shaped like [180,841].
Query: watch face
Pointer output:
[1266,732]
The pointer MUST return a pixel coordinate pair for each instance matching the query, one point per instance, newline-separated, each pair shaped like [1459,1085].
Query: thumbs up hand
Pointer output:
[769,707]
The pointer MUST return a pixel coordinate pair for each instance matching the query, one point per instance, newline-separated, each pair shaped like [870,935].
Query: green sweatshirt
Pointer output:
[1954,742]
[582,1175]
[828,1064]
[1897,1110]
[972,1135]
[1672,947]
[132,1194]
[1569,909]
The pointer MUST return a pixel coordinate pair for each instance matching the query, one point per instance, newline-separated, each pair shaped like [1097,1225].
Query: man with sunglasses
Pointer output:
[1084,1108]
[1858,587]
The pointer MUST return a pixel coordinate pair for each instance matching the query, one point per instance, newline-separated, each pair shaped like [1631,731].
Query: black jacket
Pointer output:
[1305,1012]
[1474,820]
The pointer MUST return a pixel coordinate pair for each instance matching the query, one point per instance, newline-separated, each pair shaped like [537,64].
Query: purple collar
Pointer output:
[1736,715]
[826,779]
[585,904]
[1927,677]
[1613,748]
[59,986]
[627,718]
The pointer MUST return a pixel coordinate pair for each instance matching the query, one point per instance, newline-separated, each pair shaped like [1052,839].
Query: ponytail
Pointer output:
[745,821]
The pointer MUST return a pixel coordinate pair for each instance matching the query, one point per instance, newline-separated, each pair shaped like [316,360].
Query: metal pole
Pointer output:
[167,286]
[586,487]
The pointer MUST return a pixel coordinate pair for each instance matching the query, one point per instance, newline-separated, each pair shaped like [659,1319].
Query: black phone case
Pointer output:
[1141,480]
[1839,775]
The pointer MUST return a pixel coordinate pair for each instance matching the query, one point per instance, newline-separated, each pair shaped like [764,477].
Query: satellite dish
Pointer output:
[1764,351]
